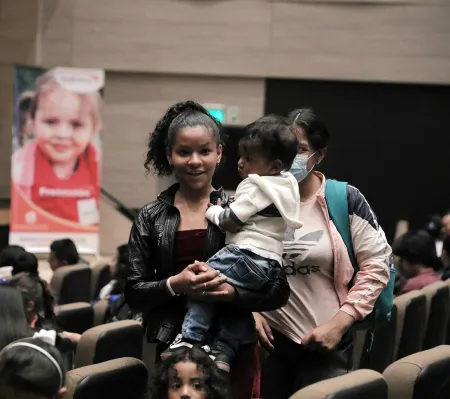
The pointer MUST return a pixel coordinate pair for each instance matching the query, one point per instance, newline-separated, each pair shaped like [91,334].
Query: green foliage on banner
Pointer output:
[26,78]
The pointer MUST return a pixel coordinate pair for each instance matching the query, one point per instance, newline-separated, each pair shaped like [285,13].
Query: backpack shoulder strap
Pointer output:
[337,203]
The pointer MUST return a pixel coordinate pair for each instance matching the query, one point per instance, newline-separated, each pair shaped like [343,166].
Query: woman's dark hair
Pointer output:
[272,137]
[316,131]
[121,270]
[178,116]
[417,247]
[216,384]
[25,262]
[36,290]
[24,369]
[9,254]
[13,320]
[65,250]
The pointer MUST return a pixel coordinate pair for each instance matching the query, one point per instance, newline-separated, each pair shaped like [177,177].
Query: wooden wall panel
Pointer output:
[403,43]
[363,2]
[18,28]
[218,37]
[135,102]
[387,40]
[56,25]
[6,120]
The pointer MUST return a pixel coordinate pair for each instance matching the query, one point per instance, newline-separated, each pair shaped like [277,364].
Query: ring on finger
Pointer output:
[205,286]
[203,293]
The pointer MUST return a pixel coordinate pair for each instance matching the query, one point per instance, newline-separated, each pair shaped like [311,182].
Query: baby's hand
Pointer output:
[219,202]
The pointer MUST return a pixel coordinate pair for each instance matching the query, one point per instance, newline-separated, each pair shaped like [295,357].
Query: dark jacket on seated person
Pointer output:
[151,264]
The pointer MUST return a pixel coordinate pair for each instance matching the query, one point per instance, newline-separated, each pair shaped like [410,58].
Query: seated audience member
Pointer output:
[418,259]
[118,269]
[445,257]
[21,261]
[39,304]
[189,373]
[63,253]
[13,322]
[31,369]
[8,254]
[446,223]
[25,262]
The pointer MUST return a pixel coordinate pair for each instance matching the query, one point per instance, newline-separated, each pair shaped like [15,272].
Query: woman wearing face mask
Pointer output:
[308,339]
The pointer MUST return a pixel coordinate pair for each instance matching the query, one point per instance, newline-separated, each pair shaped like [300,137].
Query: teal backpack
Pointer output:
[337,203]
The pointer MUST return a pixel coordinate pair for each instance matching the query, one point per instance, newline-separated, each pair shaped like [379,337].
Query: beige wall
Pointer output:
[18,27]
[161,51]
[382,40]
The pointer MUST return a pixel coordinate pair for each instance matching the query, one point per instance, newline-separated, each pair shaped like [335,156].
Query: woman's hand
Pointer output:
[216,290]
[264,331]
[197,278]
[329,334]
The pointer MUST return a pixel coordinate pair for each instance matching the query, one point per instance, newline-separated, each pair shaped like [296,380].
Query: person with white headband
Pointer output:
[31,369]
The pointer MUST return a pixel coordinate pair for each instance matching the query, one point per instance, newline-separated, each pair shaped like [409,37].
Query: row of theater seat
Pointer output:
[423,375]
[114,379]
[79,283]
[419,321]
[80,316]
[102,342]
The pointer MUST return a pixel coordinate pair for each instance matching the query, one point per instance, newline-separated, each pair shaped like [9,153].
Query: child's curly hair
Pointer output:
[216,382]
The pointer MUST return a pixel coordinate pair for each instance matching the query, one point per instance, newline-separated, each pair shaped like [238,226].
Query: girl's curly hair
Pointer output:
[216,382]
[178,116]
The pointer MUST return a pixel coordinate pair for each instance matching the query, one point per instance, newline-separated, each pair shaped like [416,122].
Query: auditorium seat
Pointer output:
[381,353]
[423,375]
[411,323]
[100,312]
[75,317]
[124,378]
[367,384]
[71,284]
[101,275]
[110,341]
[438,308]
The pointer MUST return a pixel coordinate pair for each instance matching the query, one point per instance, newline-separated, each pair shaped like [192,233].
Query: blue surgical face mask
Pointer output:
[299,167]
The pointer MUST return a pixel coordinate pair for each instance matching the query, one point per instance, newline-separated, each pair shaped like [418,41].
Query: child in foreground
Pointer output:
[189,373]
[266,202]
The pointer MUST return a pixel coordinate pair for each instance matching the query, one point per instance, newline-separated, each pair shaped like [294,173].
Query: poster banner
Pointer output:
[56,160]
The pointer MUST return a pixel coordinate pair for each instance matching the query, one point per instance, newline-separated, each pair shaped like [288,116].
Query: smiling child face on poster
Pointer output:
[64,123]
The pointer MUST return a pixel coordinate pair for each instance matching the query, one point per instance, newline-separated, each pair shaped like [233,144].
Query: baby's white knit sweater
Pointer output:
[264,206]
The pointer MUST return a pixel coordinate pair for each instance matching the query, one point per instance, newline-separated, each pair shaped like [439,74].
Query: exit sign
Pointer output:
[217,113]
[228,115]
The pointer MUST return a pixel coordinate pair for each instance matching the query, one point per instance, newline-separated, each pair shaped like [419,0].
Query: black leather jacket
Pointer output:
[151,264]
